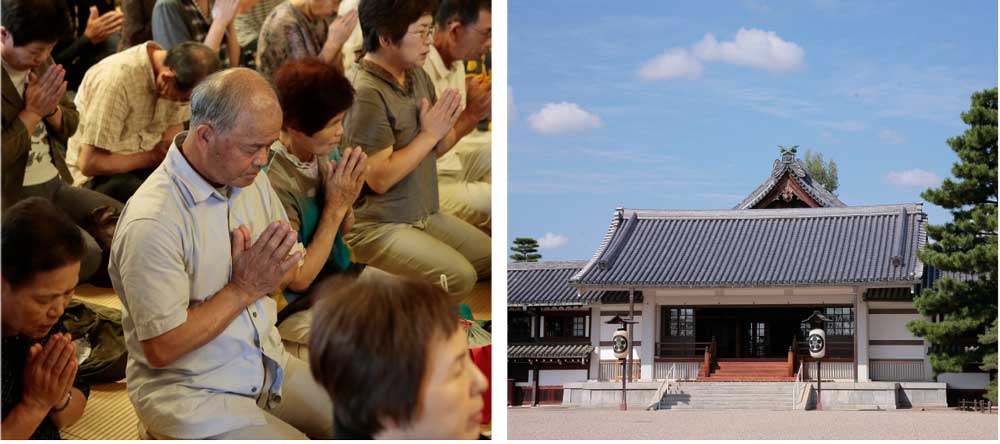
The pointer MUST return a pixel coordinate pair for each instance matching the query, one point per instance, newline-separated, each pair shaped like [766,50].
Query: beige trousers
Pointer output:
[305,410]
[439,244]
[466,192]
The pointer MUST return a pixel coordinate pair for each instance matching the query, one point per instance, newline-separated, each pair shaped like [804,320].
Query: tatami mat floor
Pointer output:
[109,413]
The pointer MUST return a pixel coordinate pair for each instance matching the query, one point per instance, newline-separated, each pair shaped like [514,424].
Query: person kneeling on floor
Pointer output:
[41,391]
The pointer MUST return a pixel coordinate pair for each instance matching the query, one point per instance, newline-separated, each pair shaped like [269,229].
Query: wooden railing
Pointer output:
[836,347]
[611,370]
[681,348]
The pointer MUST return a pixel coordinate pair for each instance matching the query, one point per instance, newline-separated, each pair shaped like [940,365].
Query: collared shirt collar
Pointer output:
[437,63]
[387,77]
[186,176]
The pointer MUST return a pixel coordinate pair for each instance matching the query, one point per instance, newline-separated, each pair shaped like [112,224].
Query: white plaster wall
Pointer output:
[891,326]
[608,354]
[965,381]
[607,330]
[560,377]
[896,352]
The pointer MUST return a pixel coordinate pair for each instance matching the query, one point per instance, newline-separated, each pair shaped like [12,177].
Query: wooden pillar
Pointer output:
[534,392]
[631,317]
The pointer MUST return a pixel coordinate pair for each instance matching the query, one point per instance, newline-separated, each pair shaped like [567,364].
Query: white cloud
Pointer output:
[913,178]
[891,137]
[753,47]
[673,63]
[555,118]
[551,240]
[511,110]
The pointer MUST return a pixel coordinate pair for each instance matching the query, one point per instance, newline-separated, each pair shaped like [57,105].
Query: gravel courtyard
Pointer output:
[576,423]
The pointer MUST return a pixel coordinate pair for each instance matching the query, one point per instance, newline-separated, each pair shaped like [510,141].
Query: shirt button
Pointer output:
[253,390]
[254,313]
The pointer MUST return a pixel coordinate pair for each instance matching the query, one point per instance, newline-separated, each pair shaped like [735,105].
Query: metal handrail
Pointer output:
[797,392]
[664,386]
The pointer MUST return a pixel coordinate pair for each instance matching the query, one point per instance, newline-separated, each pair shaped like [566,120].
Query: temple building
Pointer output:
[722,296]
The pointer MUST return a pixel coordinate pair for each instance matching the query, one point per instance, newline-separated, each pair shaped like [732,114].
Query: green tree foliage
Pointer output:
[965,308]
[826,174]
[525,250]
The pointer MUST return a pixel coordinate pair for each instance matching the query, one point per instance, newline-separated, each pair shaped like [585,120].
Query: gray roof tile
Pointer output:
[766,247]
[545,284]
[797,170]
[549,351]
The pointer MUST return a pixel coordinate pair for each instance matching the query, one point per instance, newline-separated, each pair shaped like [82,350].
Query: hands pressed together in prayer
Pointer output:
[437,120]
[49,373]
[342,27]
[225,10]
[479,98]
[102,26]
[259,268]
[42,95]
[343,180]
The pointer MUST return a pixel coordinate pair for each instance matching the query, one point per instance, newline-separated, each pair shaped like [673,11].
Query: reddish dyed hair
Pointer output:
[311,92]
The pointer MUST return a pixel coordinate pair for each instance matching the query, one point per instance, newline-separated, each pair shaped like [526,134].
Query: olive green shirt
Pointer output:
[386,114]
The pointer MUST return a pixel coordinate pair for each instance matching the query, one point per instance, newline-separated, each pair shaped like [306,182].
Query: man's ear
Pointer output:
[205,133]
[453,28]
[4,35]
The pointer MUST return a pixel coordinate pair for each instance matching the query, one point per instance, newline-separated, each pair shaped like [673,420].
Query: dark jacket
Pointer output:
[17,139]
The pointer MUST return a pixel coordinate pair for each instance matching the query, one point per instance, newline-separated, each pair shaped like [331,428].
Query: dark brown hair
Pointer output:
[37,237]
[311,92]
[368,345]
[390,19]
[465,11]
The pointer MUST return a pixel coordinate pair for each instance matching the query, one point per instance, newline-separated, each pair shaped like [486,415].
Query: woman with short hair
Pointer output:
[404,334]
[42,249]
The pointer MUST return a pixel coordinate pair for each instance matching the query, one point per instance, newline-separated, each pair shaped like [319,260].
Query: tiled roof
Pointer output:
[796,169]
[549,351]
[933,274]
[545,283]
[766,247]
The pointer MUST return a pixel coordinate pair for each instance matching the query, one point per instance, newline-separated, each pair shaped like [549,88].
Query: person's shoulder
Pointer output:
[157,199]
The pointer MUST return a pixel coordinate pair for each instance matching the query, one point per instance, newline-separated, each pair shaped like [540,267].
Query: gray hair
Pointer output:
[219,99]
[191,62]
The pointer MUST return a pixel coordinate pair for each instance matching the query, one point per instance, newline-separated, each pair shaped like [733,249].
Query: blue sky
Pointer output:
[681,105]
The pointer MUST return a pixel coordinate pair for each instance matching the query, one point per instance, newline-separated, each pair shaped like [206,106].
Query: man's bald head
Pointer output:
[221,97]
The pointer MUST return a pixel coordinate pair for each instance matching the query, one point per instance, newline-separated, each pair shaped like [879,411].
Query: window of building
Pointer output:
[519,327]
[841,322]
[565,326]
[677,322]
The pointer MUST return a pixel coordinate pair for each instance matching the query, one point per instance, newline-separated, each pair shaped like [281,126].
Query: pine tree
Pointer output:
[525,249]
[967,244]
[826,175]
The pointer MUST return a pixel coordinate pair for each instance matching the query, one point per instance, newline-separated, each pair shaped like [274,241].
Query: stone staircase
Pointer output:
[728,396]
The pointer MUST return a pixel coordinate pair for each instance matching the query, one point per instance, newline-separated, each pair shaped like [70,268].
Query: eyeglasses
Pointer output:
[425,34]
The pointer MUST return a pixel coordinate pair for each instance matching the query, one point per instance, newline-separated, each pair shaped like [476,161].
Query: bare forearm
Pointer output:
[204,322]
[318,250]
[400,163]
[73,411]
[29,119]
[22,421]
[215,33]
[233,45]
[331,49]
[95,161]
[348,223]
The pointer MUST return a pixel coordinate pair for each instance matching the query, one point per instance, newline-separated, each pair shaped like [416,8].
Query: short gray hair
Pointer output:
[218,100]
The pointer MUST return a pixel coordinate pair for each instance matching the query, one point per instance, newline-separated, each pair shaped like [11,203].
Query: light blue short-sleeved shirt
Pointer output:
[171,251]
